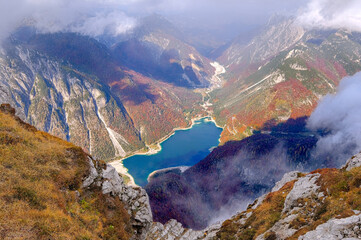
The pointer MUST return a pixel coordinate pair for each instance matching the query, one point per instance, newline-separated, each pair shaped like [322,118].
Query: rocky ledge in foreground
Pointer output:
[323,204]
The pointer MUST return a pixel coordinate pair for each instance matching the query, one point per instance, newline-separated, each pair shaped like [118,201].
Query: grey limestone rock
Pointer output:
[135,199]
[305,187]
[113,183]
[334,229]
[93,174]
[353,162]
[288,177]
[172,230]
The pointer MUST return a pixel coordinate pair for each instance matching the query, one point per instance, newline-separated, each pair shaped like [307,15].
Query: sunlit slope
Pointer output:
[41,194]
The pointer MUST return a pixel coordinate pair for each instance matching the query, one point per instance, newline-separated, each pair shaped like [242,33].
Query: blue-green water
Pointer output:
[184,148]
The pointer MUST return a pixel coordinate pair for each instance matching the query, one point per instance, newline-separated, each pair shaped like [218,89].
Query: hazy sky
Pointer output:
[96,17]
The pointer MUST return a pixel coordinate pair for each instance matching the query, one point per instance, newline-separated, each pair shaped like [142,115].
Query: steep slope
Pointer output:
[281,74]
[72,86]
[323,204]
[157,49]
[231,176]
[51,189]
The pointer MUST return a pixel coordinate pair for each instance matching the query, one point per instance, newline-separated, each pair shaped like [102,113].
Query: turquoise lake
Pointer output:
[184,148]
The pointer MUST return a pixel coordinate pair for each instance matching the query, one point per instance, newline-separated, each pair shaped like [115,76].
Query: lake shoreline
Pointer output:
[156,147]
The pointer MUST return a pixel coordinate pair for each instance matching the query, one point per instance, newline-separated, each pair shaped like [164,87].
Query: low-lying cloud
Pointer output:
[332,14]
[97,17]
[254,174]
[114,17]
[88,17]
[340,116]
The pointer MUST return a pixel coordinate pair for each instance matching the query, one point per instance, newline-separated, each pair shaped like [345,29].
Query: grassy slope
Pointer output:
[40,189]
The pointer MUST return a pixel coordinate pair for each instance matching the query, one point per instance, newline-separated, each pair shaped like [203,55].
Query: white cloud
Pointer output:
[332,14]
[89,17]
[340,115]
[95,17]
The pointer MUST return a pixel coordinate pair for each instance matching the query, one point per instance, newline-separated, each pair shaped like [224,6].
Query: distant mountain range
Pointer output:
[281,73]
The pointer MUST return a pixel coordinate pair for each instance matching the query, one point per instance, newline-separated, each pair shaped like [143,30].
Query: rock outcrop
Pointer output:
[323,204]
[353,162]
[288,177]
[135,199]
[304,187]
[172,230]
[346,228]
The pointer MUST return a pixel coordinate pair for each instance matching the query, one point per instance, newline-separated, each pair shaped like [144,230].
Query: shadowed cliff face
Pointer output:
[158,49]
[231,176]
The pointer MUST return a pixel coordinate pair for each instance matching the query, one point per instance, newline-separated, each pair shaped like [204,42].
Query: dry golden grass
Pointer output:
[40,189]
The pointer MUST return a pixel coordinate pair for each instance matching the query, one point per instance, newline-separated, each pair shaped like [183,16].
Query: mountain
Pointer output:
[74,87]
[281,74]
[158,49]
[232,175]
